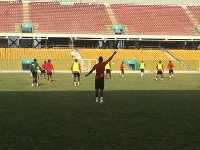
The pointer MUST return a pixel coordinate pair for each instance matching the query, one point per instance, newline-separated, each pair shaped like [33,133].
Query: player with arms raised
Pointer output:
[99,78]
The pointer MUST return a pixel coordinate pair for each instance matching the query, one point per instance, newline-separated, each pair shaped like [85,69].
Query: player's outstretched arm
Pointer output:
[111,57]
[89,72]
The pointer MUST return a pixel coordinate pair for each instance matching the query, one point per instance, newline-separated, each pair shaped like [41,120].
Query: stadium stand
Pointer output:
[91,19]
[87,18]
[185,54]
[188,57]
[11,13]
[11,58]
[19,53]
[80,18]
[195,11]
[124,54]
[150,57]
[152,19]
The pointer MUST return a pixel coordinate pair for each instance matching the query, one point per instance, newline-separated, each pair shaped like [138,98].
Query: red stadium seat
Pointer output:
[152,19]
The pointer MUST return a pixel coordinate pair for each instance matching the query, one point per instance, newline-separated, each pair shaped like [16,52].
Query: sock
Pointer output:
[78,83]
[75,83]
[97,98]
[101,98]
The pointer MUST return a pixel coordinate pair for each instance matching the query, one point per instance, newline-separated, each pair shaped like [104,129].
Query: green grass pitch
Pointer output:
[138,113]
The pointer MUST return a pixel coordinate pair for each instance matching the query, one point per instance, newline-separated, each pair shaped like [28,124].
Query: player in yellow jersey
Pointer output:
[142,67]
[108,70]
[160,70]
[76,70]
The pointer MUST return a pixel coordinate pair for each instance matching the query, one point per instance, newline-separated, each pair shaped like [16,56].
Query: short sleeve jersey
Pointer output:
[170,66]
[122,66]
[49,67]
[100,69]
[34,66]
[43,67]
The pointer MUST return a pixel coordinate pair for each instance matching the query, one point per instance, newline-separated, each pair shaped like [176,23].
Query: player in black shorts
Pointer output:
[160,70]
[99,83]
[99,78]
[76,71]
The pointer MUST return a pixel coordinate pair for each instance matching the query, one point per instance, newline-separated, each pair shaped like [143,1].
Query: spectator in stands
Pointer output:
[142,67]
[108,70]
[99,78]
[43,69]
[33,68]
[160,70]
[76,71]
[170,67]
[49,68]
[122,69]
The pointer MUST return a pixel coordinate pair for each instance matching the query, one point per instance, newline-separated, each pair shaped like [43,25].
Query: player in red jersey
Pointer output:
[49,68]
[122,69]
[99,78]
[170,67]
[43,69]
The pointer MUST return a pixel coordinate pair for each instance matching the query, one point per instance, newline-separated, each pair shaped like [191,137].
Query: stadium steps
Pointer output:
[17,27]
[84,66]
[108,29]
[192,18]
[126,29]
[111,14]
[25,13]
[35,28]
[177,60]
[114,22]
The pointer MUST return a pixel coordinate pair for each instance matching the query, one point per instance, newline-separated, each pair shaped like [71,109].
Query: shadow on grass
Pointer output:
[126,120]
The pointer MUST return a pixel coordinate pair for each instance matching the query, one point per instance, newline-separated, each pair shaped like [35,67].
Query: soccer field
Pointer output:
[138,113]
